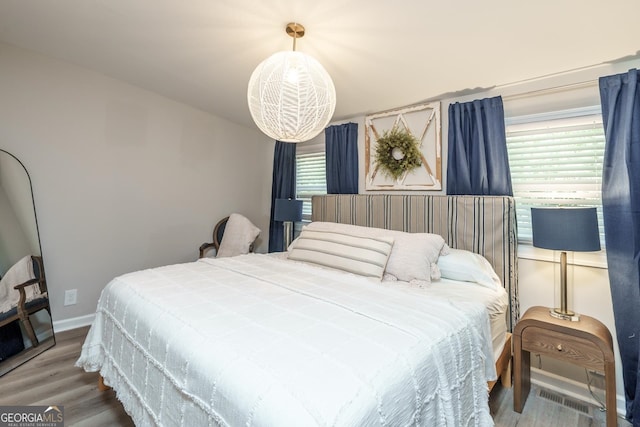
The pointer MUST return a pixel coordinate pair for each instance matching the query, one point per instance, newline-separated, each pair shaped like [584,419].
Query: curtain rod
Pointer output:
[551,90]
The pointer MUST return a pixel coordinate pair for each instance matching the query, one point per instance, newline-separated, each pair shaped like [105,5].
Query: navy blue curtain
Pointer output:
[283,186]
[620,98]
[478,163]
[341,142]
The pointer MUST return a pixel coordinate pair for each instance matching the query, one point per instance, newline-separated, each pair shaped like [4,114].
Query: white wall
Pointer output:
[539,277]
[123,178]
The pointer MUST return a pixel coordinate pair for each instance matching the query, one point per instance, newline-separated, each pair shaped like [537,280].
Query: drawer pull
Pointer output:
[559,347]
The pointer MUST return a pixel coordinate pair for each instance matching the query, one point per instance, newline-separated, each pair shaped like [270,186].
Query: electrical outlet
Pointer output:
[70,297]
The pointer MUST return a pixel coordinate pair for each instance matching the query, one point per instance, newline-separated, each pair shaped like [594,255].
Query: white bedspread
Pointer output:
[259,341]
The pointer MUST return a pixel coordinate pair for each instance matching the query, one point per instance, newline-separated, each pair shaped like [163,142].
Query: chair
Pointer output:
[24,309]
[218,232]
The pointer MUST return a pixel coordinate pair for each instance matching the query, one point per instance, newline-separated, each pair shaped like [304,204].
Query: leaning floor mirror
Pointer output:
[26,328]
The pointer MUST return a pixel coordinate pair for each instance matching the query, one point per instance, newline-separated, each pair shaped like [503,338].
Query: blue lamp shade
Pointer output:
[565,229]
[288,210]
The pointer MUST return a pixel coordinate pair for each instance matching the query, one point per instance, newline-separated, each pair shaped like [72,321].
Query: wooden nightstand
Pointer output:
[586,342]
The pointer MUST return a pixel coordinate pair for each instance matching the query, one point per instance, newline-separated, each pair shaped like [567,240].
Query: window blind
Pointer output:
[310,175]
[555,160]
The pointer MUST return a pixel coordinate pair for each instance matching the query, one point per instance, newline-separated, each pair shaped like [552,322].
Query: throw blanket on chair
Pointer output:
[19,273]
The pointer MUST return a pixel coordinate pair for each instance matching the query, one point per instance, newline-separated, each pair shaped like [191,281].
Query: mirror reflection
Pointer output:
[25,317]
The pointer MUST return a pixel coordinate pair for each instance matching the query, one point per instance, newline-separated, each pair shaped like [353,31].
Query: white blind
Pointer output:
[556,161]
[310,175]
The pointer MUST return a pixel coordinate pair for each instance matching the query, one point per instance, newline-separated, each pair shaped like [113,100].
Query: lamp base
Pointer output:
[558,313]
[288,234]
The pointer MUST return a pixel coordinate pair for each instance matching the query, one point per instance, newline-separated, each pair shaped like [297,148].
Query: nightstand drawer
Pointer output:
[573,349]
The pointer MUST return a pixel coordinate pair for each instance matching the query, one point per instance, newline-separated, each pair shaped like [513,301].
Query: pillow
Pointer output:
[468,266]
[413,256]
[292,244]
[239,234]
[366,256]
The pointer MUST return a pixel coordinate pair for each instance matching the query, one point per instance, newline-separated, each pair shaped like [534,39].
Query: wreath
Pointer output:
[397,152]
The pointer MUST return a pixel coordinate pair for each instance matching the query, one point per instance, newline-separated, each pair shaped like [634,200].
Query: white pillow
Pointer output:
[468,266]
[413,256]
[239,234]
[292,244]
[359,255]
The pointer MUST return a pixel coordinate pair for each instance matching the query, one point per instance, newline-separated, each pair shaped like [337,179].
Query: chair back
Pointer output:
[38,271]
[218,232]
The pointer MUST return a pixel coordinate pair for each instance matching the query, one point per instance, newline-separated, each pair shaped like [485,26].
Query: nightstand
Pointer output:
[586,343]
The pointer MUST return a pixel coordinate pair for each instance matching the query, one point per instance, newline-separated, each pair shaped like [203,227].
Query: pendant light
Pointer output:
[291,96]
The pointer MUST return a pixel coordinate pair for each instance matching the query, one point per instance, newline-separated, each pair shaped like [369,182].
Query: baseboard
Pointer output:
[42,336]
[73,323]
[572,388]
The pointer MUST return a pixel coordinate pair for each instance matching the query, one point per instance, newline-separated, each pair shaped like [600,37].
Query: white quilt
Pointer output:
[259,341]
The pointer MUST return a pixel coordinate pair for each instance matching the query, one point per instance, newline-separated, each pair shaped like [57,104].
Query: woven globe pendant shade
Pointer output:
[291,97]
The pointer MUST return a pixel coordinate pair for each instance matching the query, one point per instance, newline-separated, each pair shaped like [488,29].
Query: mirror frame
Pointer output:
[29,353]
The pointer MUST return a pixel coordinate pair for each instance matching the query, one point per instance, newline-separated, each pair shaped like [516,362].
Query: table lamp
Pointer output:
[288,211]
[565,229]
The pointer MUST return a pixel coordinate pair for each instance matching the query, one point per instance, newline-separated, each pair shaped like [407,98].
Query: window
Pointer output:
[556,160]
[310,175]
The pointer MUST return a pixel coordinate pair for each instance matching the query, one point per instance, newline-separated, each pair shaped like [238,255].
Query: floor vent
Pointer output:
[576,405]
[546,394]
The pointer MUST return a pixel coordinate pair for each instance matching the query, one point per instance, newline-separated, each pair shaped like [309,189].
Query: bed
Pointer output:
[268,340]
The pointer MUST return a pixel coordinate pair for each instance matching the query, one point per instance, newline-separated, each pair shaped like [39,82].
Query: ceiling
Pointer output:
[381,54]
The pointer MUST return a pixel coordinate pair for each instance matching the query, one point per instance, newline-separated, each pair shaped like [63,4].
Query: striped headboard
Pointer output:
[481,224]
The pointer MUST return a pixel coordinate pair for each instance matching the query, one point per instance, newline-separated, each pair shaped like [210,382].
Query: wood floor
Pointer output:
[52,379]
